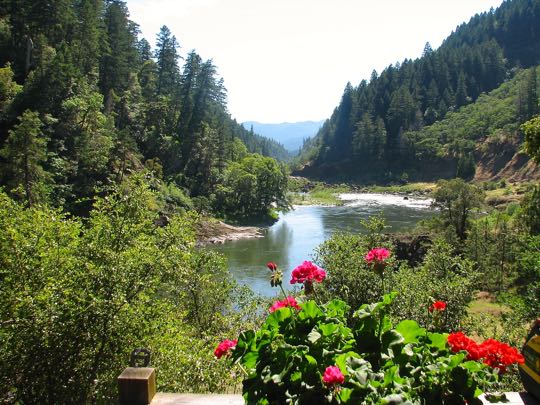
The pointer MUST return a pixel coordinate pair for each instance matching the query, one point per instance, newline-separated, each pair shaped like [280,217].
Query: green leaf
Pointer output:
[276,318]
[328,329]
[410,330]
[336,309]
[310,310]
[438,340]
[296,376]
[311,360]
[249,360]
[345,394]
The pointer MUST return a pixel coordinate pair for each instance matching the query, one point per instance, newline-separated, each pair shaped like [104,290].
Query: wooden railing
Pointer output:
[137,386]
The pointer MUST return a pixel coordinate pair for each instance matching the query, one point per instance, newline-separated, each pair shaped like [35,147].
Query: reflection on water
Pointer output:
[294,237]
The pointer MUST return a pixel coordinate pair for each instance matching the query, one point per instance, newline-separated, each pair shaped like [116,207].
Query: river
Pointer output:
[293,238]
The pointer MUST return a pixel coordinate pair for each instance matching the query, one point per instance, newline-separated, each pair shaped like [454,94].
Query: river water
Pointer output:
[293,238]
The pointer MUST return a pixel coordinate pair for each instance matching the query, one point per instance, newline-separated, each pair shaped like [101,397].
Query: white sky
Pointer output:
[289,60]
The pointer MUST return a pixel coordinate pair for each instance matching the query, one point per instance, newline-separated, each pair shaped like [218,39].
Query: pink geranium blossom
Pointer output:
[224,347]
[287,302]
[307,272]
[333,375]
[377,255]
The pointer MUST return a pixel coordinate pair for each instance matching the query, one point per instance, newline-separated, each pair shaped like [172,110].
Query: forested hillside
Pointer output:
[85,102]
[403,123]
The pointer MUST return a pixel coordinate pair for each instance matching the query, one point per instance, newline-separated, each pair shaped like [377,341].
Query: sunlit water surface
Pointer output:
[294,237]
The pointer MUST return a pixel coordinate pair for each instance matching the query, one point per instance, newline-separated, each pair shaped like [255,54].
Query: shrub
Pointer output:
[443,276]
[314,353]
[76,298]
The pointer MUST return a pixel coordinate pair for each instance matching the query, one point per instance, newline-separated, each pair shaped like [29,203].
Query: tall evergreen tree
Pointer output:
[25,152]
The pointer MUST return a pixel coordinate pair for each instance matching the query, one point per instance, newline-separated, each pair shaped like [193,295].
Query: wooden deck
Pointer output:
[514,398]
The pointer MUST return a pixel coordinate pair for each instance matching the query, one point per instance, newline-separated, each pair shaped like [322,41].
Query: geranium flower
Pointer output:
[224,347]
[307,272]
[377,255]
[332,376]
[437,306]
[287,302]
[376,258]
[495,354]
[500,355]
[458,341]
[272,266]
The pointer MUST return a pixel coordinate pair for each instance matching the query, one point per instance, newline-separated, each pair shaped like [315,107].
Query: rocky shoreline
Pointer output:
[216,232]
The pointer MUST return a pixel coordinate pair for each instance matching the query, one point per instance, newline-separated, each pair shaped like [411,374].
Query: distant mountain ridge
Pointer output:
[290,134]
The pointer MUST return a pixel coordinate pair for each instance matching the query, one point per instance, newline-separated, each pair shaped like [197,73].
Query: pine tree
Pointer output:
[25,153]
[167,62]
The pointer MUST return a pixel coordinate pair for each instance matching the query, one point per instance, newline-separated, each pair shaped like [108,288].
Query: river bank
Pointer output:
[212,231]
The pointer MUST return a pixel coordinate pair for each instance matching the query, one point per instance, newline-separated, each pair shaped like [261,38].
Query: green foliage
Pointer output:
[531,129]
[457,200]
[530,210]
[8,89]
[25,152]
[285,359]
[492,245]
[529,276]
[107,106]
[77,297]
[252,186]
[443,276]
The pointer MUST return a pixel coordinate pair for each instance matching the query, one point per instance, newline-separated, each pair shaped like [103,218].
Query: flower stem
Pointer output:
[283,291]
[243,369]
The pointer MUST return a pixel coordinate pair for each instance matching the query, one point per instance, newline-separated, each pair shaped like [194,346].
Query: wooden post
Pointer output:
[137,386]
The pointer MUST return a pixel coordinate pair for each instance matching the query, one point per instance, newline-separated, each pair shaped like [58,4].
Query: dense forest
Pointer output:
[406,119]
[84,102]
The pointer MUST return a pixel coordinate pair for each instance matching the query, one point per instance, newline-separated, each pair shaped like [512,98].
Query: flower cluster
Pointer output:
[287,302]
[437,306]
[376,258]
[332,376]
[224,347]
[500,355]
[495,354]
[307,272]
[377,255]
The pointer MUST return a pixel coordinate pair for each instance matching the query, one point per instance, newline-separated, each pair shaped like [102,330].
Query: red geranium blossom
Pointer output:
[437,306]
[458,341]
[500,355]
[287,302]
[224,347]
[495,354]
[333,375]
[307,272]
[272,266]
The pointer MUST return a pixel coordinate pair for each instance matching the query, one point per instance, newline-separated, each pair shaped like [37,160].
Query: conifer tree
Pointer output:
[25,152]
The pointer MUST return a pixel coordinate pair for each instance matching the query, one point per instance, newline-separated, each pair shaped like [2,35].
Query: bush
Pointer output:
[76,298]
[443,276]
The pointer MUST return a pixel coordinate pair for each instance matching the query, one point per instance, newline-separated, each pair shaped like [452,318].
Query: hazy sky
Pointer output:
[289,60]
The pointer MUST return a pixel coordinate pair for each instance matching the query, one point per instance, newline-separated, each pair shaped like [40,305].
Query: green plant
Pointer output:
[286,359]
[313,353]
